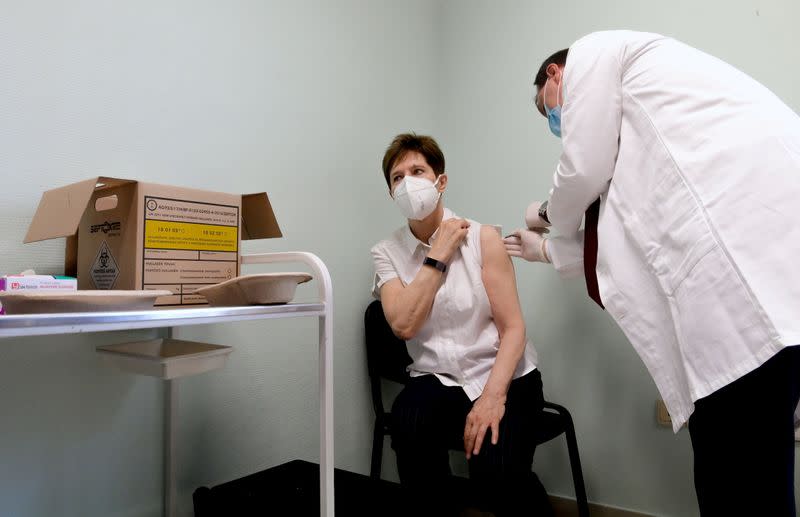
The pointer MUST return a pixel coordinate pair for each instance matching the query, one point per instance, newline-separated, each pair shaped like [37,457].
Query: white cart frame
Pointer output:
[49,324]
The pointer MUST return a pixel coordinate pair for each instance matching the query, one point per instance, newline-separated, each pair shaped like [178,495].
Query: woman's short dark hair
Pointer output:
[559,58]
[410,142]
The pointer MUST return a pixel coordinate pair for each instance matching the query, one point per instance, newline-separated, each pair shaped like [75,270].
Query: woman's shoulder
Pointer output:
[478,234]
[473,240]
[477,229]
[449,214]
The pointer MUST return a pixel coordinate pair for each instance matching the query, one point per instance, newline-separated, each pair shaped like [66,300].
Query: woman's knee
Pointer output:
[410,421]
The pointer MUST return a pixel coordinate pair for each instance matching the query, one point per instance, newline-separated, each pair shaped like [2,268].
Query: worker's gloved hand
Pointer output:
[532,219]
[528,244]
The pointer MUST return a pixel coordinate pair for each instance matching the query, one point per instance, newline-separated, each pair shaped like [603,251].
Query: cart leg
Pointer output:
[326,418]
[170,457]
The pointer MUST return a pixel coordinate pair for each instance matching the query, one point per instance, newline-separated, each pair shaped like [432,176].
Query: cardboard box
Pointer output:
[126,234]
[38,282]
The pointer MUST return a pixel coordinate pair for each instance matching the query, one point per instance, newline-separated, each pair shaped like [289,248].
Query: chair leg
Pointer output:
[377,450]
[575,465]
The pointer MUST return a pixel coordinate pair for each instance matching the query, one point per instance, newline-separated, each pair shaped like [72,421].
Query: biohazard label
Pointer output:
[104,271]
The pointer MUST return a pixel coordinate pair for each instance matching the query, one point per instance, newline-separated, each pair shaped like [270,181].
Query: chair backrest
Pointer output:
[387,355]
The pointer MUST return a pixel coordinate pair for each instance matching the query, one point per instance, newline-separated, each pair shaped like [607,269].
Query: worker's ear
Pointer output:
[442,182]
[553,70]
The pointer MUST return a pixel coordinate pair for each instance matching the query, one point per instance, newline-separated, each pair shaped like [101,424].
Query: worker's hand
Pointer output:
[528,244]
[485,416]
[532,219]
[449,236]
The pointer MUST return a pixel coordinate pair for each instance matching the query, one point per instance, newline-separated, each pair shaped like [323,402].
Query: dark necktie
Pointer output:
[590,252]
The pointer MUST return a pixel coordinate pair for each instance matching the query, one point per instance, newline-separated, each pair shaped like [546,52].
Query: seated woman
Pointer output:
[448,289]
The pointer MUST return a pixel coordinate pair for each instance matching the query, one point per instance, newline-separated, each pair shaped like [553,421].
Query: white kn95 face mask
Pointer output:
[416,197]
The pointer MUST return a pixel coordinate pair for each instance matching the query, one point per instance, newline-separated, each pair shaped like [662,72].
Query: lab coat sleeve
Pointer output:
[566,254]
[590,127]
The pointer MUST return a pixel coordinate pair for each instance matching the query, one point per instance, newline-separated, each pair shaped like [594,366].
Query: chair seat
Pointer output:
[552,425]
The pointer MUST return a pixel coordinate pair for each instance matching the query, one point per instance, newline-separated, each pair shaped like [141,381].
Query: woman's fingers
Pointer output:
[495,431]
[479,438]
[469,438]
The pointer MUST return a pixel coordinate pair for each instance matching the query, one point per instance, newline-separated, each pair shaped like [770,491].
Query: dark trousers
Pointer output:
[428,420]
[743,441]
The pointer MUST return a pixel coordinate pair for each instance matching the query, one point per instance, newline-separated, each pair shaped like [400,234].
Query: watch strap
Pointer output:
[436,264]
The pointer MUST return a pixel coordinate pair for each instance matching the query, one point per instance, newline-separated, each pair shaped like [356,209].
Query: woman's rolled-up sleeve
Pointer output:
[384,270]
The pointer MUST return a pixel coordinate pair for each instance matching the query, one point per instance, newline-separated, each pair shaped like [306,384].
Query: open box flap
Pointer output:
[60,209]
[258,219]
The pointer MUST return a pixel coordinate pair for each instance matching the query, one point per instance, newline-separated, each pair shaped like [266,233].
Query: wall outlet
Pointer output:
[662,415]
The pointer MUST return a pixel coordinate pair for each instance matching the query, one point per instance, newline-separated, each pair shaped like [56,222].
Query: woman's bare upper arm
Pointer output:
[499,280]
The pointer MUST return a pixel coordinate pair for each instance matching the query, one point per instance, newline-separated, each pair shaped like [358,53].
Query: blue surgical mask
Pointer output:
[554,119]
[553,116]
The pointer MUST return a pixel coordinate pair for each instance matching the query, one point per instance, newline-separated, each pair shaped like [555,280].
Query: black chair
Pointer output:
[387,358]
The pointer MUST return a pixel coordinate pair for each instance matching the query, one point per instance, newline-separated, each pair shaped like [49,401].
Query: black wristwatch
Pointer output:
[543,212]
[436,264]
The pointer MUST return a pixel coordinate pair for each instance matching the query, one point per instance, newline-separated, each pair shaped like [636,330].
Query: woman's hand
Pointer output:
[486,414]
[449,237]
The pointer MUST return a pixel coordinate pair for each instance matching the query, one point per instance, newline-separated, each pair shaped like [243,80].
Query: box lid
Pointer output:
[258,219]
[60,209]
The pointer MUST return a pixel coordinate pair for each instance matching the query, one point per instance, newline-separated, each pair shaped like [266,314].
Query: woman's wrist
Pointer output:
[497,393]
[439,255]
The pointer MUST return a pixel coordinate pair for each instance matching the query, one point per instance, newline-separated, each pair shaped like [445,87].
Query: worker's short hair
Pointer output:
[411,142]
[559,58]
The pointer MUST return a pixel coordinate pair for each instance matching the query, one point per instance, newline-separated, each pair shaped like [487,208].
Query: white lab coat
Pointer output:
[698,166]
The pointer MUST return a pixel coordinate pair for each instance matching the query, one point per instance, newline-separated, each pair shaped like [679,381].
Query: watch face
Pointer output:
[543,211]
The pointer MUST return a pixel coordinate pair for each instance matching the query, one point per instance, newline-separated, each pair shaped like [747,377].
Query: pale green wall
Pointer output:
[300,99]
[501,156]
[295,98]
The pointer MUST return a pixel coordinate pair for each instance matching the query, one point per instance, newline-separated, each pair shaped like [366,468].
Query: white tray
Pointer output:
[166,358]
[42,301]
[259,289]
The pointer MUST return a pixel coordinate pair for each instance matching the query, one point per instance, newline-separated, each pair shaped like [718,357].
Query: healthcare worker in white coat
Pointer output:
[688,172]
